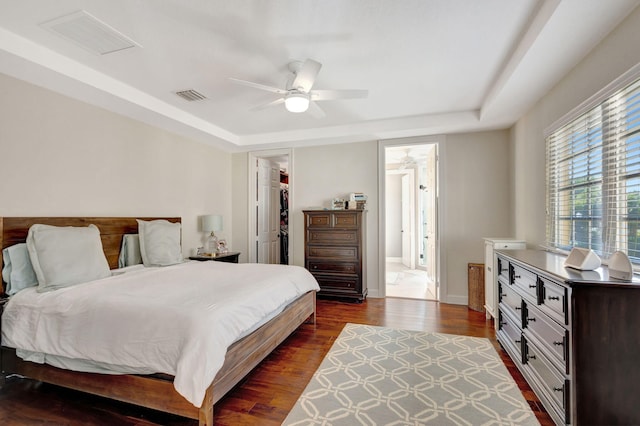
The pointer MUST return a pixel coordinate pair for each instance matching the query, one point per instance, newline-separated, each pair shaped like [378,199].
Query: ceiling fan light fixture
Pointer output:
[297,102]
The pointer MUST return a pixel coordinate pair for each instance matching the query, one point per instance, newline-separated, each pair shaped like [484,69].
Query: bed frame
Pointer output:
[152,391]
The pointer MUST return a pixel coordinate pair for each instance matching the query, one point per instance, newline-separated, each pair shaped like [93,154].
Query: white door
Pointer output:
[267,212]
[408,258]
[274,214]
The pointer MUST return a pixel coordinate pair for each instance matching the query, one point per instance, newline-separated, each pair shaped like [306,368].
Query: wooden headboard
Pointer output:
[13,230]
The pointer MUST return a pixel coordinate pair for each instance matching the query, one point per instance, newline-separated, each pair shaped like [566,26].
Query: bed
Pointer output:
[154,391]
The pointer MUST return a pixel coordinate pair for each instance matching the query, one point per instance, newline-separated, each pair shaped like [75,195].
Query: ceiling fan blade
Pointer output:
[306,75]
[270,104]
[258,86]
[315,111]
[329,95]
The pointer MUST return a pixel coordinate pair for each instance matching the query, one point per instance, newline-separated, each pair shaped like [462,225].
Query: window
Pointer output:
[593,178]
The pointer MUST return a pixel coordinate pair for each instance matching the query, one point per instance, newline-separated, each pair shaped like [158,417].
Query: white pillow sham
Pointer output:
[160,242]
[64,256]
[17,272]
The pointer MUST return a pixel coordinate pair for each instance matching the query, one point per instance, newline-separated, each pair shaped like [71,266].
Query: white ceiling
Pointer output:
[431,66]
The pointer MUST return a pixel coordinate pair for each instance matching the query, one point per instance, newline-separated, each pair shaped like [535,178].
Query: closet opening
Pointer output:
[270,182]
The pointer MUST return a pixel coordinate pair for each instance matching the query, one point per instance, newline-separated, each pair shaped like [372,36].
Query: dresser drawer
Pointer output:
[554,385]
[526,281]
[337,283]
[551,334]
[332,267]
[510,331]
[554,301]
[345,220]
[332,237]
[512,300]
[319,220]
[333,252]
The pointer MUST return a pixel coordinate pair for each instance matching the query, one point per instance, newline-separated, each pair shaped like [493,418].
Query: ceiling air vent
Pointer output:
[191,95]
[89,32]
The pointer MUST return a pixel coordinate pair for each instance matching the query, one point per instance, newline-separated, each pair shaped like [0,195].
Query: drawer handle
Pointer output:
[558,343]
[531,319]
[518,308]
[315,267]
[553,297]
[558,389]
[532,286]
[531,357]
[503,295]
[517,276]
[517,341]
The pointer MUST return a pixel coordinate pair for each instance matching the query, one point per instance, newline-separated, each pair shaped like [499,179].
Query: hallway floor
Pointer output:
[408,283]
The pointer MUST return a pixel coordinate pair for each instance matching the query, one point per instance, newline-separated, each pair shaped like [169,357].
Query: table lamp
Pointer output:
[210,224]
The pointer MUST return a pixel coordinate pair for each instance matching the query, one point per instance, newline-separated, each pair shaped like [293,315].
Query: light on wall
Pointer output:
[210,224]
[296,102]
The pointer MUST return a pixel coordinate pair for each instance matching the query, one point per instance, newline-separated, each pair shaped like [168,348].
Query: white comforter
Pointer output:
[177,320]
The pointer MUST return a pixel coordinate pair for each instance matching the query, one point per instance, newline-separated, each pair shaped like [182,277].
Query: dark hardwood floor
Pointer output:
[270,391]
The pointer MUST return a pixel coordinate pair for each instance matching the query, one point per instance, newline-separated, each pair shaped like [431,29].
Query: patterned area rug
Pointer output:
[383,376]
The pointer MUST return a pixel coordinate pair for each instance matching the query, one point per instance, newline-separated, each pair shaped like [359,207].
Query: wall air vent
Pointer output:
[90,33]
[191,95]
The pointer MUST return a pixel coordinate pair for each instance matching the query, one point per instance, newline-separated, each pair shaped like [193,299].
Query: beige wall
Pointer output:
[61,157]
[616,54]
[475,192]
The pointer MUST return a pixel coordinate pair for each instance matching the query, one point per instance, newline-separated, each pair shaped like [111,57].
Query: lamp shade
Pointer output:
[211,222]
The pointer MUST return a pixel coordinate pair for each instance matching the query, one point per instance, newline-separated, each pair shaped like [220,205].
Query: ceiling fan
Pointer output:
[298,95]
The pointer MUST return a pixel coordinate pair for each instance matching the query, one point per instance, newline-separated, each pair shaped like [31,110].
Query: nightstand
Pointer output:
[231,257]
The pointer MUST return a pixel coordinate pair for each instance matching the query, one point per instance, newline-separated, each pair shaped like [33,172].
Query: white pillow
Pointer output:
[159,242]
[64,256]
[17,271]
[130,251]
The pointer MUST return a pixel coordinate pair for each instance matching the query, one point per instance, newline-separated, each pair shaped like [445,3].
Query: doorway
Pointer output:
[411,220]
[269,203]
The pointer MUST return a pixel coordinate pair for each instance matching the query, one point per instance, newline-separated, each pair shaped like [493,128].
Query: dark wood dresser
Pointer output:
[573,334]
[335,251]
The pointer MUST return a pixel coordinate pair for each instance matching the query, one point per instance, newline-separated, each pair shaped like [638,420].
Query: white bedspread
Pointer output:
[177,320]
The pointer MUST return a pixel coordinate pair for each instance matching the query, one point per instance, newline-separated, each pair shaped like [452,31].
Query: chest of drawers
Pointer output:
[573,335]
[335,251]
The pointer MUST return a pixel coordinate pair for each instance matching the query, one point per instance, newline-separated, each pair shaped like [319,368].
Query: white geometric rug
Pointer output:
[383,376]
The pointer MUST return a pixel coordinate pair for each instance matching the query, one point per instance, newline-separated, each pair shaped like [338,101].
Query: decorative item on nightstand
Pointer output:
[210,224]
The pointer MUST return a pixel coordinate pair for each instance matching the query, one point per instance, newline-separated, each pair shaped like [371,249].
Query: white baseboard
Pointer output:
[394,259]
[455,300]
[373,293]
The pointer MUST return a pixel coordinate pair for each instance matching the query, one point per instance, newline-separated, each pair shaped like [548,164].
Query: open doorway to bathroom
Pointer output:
[411,231]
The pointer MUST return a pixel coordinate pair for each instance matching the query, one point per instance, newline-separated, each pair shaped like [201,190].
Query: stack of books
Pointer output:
[359,200]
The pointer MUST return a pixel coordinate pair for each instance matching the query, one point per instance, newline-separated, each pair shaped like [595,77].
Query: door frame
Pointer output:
[252,169]
[441,287]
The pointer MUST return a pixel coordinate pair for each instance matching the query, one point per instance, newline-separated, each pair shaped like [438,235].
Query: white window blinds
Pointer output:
[593,178]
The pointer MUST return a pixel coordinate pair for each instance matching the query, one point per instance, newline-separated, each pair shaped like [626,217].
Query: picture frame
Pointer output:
[222,246]
[338,204]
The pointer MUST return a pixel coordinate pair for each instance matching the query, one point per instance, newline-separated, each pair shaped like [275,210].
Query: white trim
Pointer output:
[251,214]
[600,96]
[441,257]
